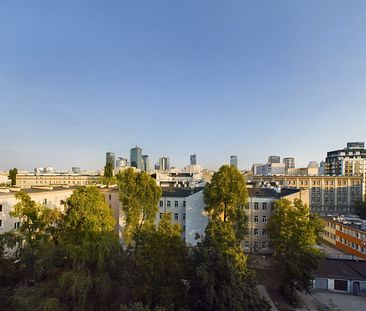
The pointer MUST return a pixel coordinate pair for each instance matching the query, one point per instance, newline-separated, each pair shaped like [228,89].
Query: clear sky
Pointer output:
[215,78]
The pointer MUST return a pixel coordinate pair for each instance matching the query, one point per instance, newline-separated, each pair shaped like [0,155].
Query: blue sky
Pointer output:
[251,78]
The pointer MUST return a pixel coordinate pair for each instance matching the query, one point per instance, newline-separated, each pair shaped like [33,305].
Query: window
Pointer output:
[176,216]
[256,205]
[246,244]
[255,232]
[264,245]
[255,246]
[264,206]
[272,206]
[1,223]
[184,203]
[247,206]
[1,207]
[160,215]
[110,197]
[44,201]
[16,225]
[256,218]
[184,216]
[264,232]
[167,203]
[176,203]
[264,219]
[161,203]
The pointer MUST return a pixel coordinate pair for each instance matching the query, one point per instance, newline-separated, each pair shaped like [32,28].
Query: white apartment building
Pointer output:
[269,169]
[187,209]
[186,206]
[178,179]
[48,196]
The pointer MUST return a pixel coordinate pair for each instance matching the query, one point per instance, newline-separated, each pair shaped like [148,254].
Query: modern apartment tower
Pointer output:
[193,159]
[289,162]
[110,159]
[136,158]
[164,163]
[234,161]
[350,161]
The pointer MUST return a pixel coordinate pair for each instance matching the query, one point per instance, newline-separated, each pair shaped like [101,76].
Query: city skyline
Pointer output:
[178,78]
[118,157]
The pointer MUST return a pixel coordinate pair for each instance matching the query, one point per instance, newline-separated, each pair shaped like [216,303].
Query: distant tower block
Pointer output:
[234,161]
[193,159]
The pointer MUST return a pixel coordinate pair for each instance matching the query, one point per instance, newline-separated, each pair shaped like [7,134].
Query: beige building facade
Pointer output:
[327,194]
[26,181]
[259,209]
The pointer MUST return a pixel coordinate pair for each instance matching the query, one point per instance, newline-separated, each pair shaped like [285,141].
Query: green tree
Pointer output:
[88,241]
[26,247]
[13,176]
[160,267]
[87,230]
[74,269]
[220,279]
[139,196]
[225,198]
[360,209]
[108,170]
[294,232]
[36,229]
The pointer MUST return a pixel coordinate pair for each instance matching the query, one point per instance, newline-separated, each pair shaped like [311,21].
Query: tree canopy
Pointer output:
[71,253]
[72,260]
[225,198]
[13,176]
[220,277]
[294,232]
[360,209]
[108,170]
[139,196]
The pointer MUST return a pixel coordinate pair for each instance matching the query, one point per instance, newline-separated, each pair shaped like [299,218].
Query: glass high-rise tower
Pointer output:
[234,161]
[110,158]
[136,158]
[193,159]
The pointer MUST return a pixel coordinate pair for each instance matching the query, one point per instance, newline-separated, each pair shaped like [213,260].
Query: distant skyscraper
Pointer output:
[289,162]
[164,163]
[146,163]
[110,158]
[136,158]
[234,161]
[193,159]
[274,159]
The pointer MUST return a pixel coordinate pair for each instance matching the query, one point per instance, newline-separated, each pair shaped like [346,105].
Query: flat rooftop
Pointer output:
[352,226]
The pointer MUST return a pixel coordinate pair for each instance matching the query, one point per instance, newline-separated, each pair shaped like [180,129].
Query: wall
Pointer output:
[26,181]
[196,217]
[7,200]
